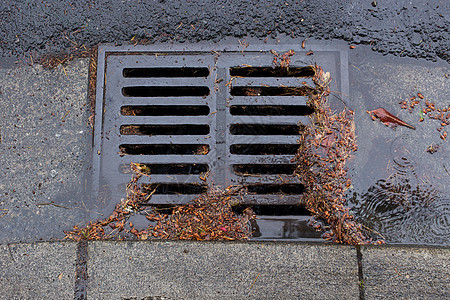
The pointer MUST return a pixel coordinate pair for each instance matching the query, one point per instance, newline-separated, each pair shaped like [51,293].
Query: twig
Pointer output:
[446,170]
[88,210]
[151,194]
[56,205]
[254,280]
[10,253]
[376,232]
[5,213]
[110,233]
[61,62]
[65,115]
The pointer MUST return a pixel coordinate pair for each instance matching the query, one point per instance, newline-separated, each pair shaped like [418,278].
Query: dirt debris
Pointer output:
[52,60]
[208,217]
[428,108]
[325,145]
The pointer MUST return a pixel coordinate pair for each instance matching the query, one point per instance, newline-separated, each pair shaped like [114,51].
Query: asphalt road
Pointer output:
[403,28]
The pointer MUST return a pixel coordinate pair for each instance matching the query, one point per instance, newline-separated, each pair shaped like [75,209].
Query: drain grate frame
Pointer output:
[224,120]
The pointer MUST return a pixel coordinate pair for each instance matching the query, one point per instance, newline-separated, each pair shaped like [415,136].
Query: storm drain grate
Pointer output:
[183,114]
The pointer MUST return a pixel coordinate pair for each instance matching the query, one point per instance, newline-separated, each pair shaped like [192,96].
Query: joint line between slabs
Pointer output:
[81,272]
[359,258]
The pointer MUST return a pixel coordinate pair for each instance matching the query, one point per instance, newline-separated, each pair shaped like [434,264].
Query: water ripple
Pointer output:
[405,209]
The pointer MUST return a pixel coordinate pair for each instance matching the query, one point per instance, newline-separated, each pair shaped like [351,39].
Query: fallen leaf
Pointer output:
[328,141]
[387,118]
[60,276]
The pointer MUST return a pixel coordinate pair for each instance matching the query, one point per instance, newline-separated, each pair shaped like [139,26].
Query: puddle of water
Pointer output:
[399,189]
[284,228]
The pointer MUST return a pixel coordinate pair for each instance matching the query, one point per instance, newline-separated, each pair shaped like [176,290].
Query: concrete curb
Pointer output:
[217,270]
[37,271]
[415,272]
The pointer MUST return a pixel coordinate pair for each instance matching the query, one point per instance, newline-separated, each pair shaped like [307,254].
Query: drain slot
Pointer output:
[274,210]
[175,188]
[164,209]
[172,169]
[285,188]
[263,149]
[271,91]
[264,129]
[165,110]
[163,149]
[262,169]
[165,91]
[182,129]
[272,72]
[165,72]
[270,110]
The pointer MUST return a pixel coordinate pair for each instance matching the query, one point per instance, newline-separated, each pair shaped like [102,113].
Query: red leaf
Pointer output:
[387,118]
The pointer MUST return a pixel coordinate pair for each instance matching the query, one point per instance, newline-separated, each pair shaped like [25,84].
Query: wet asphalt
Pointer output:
[402,28]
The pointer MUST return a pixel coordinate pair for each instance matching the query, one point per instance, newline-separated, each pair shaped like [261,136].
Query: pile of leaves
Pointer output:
[325,145]
[208,217]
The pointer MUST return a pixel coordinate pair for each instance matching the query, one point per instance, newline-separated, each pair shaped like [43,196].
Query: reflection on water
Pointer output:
[405,208]
[284,228]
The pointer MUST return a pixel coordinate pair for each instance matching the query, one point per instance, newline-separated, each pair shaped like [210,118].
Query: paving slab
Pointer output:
[37,271]
[44,137]
[211,270]
[406,272]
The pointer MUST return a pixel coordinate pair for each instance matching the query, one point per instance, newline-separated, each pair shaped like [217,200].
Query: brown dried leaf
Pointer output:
[387,118]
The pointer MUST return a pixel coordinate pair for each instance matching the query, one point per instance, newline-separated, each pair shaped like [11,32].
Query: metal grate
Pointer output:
[229,113]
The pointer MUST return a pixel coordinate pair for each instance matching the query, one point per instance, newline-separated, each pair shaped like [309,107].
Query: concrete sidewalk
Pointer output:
[44,139]
[212,270]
